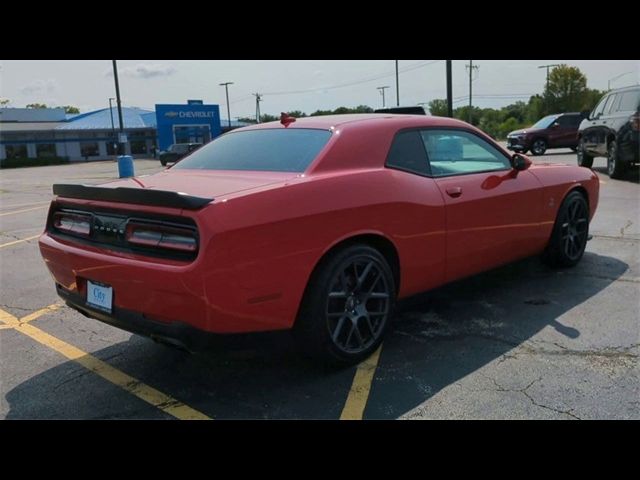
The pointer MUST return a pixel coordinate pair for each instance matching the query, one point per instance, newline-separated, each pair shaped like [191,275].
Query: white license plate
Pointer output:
[99,296]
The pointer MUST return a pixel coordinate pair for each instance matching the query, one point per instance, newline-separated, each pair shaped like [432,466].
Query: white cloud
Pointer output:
[145,70]
[39,87]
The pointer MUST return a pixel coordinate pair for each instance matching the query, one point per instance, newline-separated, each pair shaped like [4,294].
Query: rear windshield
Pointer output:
[272,150]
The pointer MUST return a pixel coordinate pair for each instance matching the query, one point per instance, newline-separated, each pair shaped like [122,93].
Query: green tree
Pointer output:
[438,107]
[4,102]
[566,90]
[71,109]
[37,105]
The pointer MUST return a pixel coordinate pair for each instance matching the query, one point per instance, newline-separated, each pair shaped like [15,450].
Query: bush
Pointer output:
[32,162]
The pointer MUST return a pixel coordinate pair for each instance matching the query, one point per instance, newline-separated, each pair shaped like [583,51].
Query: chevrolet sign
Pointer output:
[189,114]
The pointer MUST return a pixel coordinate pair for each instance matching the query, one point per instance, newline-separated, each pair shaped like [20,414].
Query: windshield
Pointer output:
[544,122]
[272,150]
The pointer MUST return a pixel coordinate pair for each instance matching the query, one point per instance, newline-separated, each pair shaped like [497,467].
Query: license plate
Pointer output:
[99,296]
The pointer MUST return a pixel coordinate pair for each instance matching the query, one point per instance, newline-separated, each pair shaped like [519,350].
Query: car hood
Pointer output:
[204,183]
[524,131]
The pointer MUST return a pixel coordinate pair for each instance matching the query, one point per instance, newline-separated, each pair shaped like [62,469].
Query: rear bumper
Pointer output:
[204,295]
[176,333]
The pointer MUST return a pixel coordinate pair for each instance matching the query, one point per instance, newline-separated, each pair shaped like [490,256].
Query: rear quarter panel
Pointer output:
[266,245]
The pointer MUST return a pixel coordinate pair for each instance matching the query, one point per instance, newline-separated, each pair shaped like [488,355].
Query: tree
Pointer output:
[71,109]
[566,90]
[4,102]
[438,107]
[37,105]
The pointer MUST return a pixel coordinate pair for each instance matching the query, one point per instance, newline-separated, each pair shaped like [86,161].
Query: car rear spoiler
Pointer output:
[140,196]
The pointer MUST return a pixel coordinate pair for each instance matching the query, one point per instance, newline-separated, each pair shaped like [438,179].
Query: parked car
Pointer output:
[177,151]
[553,131]
[316,225]
[612,130]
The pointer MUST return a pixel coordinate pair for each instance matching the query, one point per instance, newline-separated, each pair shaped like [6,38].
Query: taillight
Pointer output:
[161,236]
[635,121]
[74,223]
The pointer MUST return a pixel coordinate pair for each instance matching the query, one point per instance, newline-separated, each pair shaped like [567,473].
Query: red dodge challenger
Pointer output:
[315,224]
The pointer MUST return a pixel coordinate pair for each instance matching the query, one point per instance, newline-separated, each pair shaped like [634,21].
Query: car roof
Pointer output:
[624,89]
[327,122]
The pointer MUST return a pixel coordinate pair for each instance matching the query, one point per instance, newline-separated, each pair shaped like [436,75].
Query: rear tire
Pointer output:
[615,168]
[347,306]
[584,159]
[539,146]
[163,163]
[570,232]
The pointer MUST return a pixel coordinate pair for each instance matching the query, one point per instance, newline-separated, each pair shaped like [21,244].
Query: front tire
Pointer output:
[570,232]
[163,163]
[347,306]
[615,168]
[539,146]
[584,159]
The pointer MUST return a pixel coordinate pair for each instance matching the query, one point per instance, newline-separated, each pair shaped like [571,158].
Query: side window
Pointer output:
[407,153]
[567,121]
[455,152]
[607,104]
[600,107]
[629,101]
[613,101]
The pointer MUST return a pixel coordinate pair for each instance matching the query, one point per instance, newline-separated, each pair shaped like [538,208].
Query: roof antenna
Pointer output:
[286,119]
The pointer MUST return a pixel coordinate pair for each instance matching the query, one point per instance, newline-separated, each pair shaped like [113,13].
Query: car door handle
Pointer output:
[454,192]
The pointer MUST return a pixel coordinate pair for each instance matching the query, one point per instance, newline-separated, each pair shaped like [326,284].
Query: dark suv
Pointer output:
[612,130]
[553,131]
[177,151]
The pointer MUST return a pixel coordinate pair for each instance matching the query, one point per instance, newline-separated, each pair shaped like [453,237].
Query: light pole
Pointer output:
[121,143]
[397,86]
[113,128]
[615,78]
[226,88]
[382,92]
[449,91]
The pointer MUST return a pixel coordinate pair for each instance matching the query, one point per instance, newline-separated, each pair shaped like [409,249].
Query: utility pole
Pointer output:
[258,100]
[121,144]
[397,86]
[471,69]
[226,87]
[548,67]
[382,92]
[113,128]
[449,91]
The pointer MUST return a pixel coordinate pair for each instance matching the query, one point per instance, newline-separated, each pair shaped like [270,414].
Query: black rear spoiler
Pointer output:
[140,196]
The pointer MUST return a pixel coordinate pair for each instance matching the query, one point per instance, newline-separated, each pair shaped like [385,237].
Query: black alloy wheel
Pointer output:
[570,233]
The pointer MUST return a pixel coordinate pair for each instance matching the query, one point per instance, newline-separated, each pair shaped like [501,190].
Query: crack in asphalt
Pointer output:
[524,391]
[628,224]
[522,348]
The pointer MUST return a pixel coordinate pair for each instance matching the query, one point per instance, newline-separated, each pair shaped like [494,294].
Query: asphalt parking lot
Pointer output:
[519,342]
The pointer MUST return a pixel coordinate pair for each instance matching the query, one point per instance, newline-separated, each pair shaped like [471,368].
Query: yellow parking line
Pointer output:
[39,313]
[19,241]
[22,211]
[128,383]
[360,388]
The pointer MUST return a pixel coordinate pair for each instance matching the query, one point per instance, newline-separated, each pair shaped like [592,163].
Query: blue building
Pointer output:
[36,133]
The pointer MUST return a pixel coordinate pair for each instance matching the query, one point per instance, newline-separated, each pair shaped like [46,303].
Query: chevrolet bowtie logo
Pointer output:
[171,114]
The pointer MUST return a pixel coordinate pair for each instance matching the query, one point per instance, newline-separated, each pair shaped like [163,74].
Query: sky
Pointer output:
[287,85]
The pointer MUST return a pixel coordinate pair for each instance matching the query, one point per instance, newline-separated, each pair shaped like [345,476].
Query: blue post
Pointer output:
[125,166]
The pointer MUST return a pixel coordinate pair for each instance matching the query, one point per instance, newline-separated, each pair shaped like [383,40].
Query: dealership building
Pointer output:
[36,133]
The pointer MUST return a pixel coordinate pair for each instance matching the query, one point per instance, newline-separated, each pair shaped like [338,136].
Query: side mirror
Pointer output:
[520,162]
[555,125]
